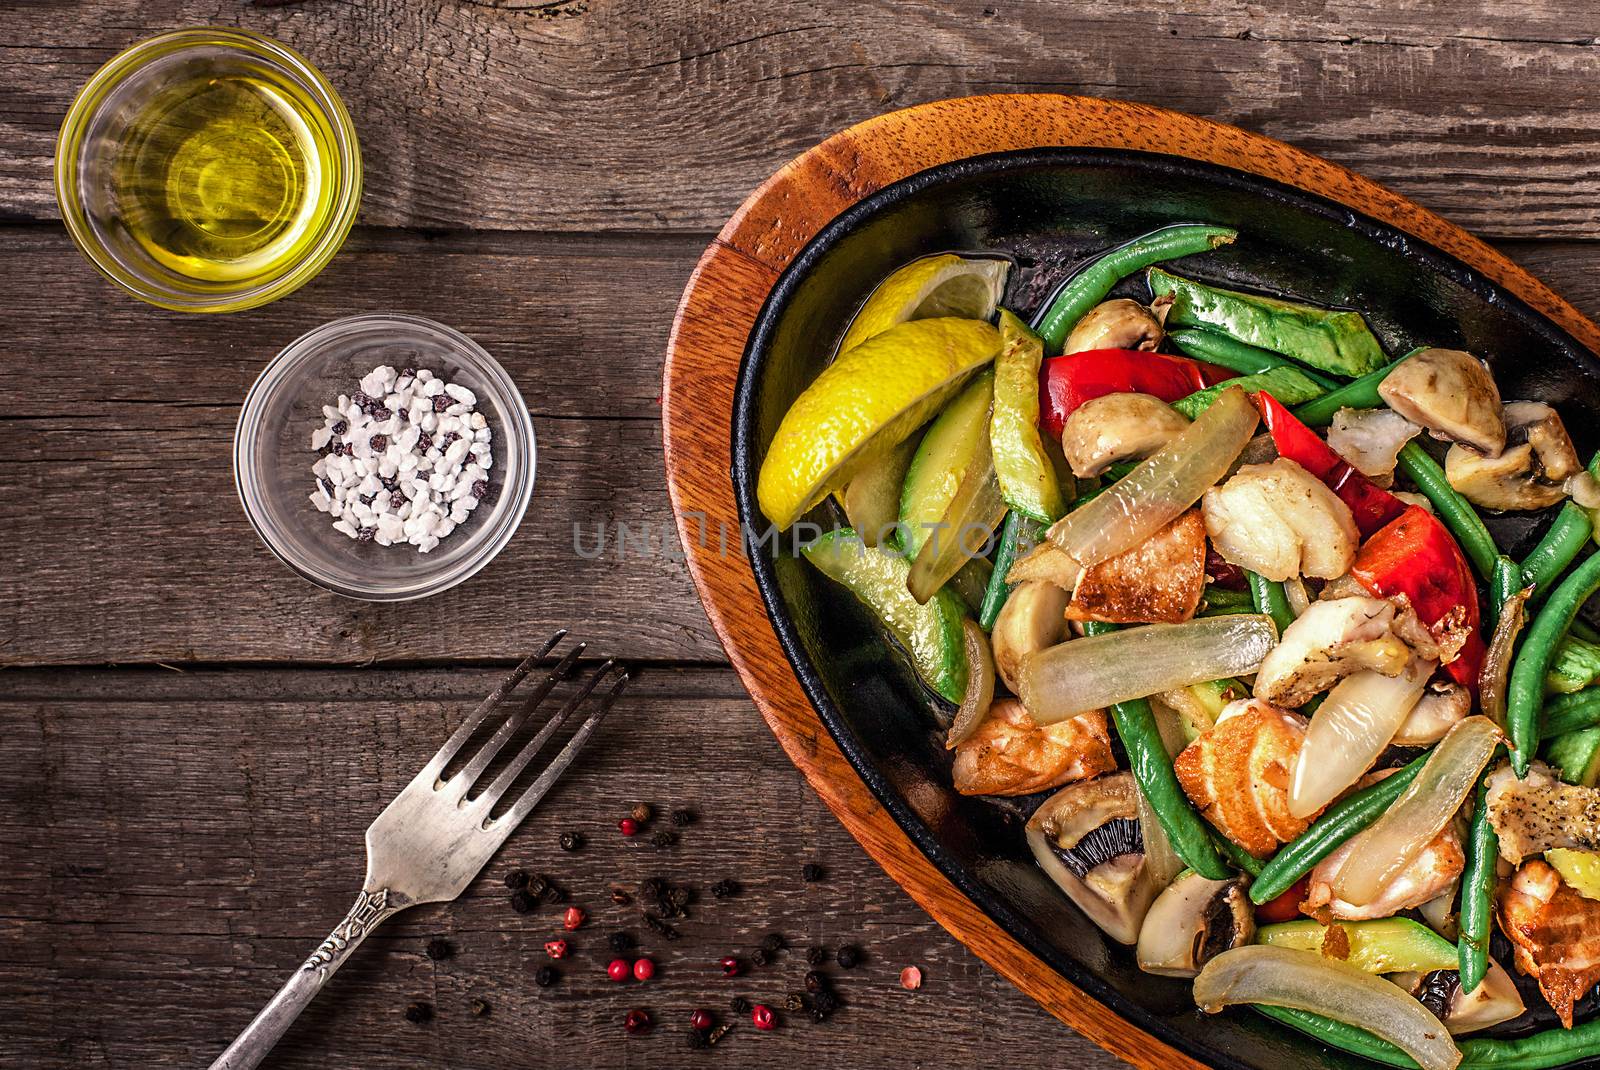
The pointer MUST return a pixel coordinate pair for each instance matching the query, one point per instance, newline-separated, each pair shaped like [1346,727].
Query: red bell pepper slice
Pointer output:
[1069,381]
[1415,555]
[1372,506]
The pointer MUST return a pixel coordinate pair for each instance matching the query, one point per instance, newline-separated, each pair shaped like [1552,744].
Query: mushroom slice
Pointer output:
[1117,427]
[1328,642]
[1450,393]
[1045,562]
[1539,812]
[1158,581]
[1537,461]
[1031,619]
[1121,323]
[1009,753]
[1495,1000]
[1441,706]
[1192,922]
[1433,870]
[1370,439]
[1086,837]
[1278,520]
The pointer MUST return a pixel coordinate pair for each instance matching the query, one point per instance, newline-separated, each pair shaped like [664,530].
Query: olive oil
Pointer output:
[225,177]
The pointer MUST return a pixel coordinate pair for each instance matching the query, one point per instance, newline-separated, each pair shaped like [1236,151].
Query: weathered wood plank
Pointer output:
[181,841]
[624,114]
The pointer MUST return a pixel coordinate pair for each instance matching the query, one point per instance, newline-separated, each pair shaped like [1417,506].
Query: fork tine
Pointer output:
[553,771]
[441,758]
[492,793]
[462,781]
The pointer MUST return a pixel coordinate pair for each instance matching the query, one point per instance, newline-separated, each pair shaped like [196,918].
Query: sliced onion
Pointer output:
[1496,672]
[1294,589]
[1349,730]
[1283,977]
[1162,487]
[1386,847]
[1161,862]
[980,684]
[1092,673]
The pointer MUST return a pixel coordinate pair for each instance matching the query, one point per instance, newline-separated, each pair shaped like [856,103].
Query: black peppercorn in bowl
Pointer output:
[274,456]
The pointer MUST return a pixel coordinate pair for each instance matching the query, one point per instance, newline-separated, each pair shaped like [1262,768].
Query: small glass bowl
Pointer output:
[272,456]
[98,124]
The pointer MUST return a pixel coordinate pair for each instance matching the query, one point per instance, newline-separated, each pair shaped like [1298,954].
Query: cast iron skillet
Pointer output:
[1048,210]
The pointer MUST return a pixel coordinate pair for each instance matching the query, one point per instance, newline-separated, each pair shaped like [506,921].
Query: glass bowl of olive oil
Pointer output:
[208,170]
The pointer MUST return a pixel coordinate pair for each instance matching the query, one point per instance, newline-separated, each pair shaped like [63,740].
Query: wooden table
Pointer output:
[193,739]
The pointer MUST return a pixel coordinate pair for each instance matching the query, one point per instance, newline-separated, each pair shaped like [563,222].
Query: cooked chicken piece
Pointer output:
[1158,581]
[1530,473]
[1538,813]
[1450,393]
[1370,439]
[1279,520]
[1032,619]
[1237,773]
[1009,754]
[1328,642]
[1555,933]
[1117,427]
[1435,868]
[1441,706]
[1121,323]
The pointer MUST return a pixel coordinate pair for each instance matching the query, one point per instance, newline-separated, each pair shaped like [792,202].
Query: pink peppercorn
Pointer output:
[556,949]
[572,919]
[619,970]
[762,1018]
[628,826]
[643,969]
[700,1020]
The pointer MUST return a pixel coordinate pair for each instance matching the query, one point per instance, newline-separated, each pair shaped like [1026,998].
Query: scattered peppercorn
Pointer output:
[698,1040]
[772,943]
[620,896]
[718,1033]
[760,957]
[480,1009]
[739,1005]
[725,889]
[379,443]
[552,893]
[682,818]
[762,1018]
[573,919]
[664,838]
[817,1014]
[826,1000]
[628,827]
[730,966]
[619,970]
[679,897]
[619,941]
[545,976]
[816,981]
[419,1012]
[441,402]
[640,812]
[643,969]
[660,928]
[636,1022]
[439,949]
[910,978]
[794,1002]
[571,841]
[816,956]
[556,949]
[848,957]
[811,873]
[521,902]
[700,1020]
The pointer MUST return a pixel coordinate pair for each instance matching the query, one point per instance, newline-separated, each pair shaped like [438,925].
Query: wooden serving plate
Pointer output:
[721,304]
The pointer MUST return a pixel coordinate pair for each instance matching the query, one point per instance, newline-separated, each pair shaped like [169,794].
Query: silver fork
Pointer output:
[430,842]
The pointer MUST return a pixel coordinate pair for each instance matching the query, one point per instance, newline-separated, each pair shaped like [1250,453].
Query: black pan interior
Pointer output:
[1047,211]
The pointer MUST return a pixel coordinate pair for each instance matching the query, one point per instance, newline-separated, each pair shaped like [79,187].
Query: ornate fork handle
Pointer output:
[371,909]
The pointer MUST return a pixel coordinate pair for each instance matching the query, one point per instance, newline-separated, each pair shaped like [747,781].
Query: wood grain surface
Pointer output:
[544,176]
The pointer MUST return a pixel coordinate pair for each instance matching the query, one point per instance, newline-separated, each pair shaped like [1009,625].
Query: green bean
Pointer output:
[1151,766]
[1222,596]
[1570,713]
[1538,1051]
[1089,286]
[1561,543]
[1018,535]
[1268,597]
[1241,858]
[1477,893]
[1458,515]
[1585,632]
[1359,393]
[1507,581]
[1242,357]
[1342,821]
[1525,692]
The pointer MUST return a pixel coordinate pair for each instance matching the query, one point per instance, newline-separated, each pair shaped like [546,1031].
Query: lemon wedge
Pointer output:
[929,288]
[864,404]
[1581,869]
